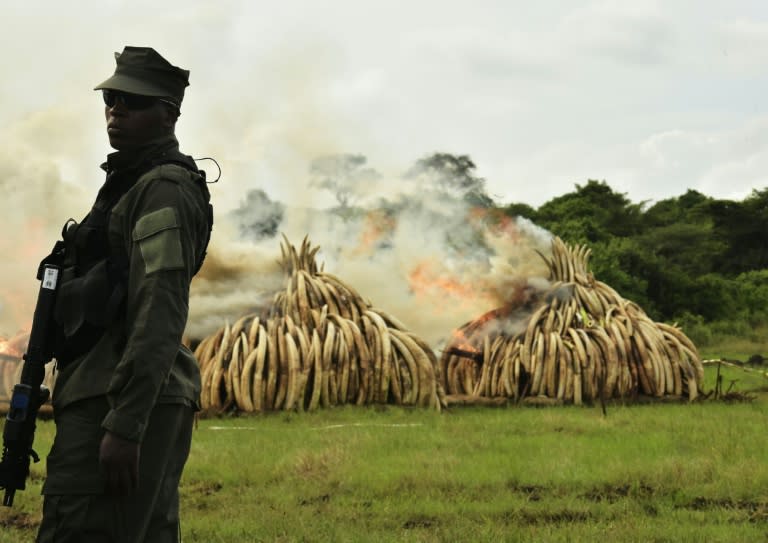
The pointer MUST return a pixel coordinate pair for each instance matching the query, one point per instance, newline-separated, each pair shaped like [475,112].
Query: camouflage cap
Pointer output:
[142,70]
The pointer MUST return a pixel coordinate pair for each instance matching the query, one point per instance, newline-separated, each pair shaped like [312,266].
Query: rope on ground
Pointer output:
[735,365]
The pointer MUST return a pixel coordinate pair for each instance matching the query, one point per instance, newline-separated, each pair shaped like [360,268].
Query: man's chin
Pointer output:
[119,144]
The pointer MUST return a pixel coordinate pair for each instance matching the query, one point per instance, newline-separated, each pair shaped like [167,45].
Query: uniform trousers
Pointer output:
[76,508]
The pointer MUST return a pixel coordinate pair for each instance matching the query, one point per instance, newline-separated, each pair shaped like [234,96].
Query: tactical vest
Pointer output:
[94,278]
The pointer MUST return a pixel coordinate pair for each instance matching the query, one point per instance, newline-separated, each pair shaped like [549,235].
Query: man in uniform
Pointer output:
[127,388]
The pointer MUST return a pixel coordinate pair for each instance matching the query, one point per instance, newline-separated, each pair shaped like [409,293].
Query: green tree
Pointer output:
[258,217]
[520,210]
[454,174]
[594,212]
[714,297]
[690,247]
[345,175]
[752,287]
[624,264]
[690,207]
[743,228]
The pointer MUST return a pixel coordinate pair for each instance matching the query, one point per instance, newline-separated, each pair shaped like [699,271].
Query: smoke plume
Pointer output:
[36,201]
[409,246]
[424,256]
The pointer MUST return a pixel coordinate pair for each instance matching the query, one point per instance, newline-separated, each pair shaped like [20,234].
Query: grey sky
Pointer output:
[653,97]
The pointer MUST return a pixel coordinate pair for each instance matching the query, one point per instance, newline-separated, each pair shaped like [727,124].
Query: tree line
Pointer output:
[693,259]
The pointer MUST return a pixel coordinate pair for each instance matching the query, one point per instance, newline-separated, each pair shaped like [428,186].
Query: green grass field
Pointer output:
[662,472]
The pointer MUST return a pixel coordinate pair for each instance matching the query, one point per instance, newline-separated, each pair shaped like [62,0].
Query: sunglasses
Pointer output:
[132,101]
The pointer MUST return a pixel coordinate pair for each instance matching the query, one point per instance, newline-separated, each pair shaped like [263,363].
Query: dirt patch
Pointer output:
[532,493]
[19,520]
[535,518]
[315,465]
[650,510]
[202,495]
[419,521]
[755,511]
[614,493]
[315,500]
[204,488]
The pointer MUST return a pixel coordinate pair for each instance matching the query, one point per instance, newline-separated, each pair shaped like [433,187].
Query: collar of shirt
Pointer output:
[125,161]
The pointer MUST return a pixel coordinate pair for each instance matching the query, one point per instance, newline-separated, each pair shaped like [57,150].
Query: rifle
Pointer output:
[30,393]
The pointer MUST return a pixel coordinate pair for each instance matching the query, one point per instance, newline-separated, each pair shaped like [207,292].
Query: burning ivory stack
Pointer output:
[10,369]
[11,353]
[320,344]
[11,363]
[582,343]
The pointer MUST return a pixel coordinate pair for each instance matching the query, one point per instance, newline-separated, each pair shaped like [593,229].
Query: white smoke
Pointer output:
[435,268]
[34,205]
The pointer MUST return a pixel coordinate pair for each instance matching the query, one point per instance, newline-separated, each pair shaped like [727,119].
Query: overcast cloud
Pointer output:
[653,97]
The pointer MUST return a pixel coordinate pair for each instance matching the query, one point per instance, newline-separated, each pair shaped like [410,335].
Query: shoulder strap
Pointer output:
[185,161]
[174,156]
[209,216]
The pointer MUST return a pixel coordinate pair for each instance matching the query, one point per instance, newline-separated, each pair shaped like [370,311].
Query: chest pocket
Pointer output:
[158,235]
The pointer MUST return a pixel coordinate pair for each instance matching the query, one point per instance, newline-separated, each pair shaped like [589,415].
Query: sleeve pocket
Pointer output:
[159,238]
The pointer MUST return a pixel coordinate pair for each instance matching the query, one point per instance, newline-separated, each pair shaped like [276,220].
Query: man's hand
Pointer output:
[119,461]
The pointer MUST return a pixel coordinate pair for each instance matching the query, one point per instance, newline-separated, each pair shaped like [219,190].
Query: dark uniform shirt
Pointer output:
[161,223]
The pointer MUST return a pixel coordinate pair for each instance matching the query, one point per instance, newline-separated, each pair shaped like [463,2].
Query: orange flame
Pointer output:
[470,336]
[14,347]
[18,288]
[496,222]
[378,226]
[426,280]
[19,305]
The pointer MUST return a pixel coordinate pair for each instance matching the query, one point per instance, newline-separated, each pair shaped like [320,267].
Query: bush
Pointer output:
[752,290]
[695,328]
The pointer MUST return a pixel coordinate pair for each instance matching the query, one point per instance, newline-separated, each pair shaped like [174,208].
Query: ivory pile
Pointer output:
[11,353]
[320,344]
[10,375]
[582,343]
[9,368]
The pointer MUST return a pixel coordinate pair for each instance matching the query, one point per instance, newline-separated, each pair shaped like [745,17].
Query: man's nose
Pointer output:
[118,109]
